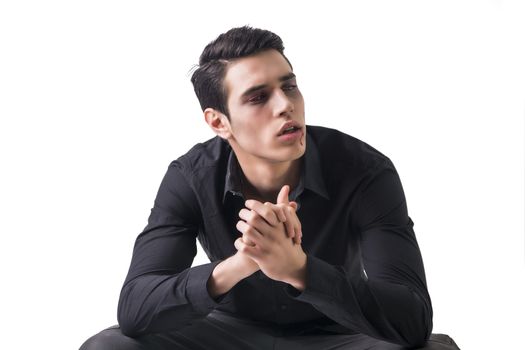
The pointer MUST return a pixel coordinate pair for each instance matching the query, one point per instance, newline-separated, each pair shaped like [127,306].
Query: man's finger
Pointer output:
[282,197]
[245,248]
[290,229]
[294,221]
[249,234]
[264,211]
[247,241]
[252,218]
[279,211]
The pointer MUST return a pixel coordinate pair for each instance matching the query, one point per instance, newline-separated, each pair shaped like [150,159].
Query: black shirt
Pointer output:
[364,268]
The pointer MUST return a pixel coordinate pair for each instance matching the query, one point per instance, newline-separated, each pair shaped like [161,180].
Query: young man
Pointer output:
[306,228]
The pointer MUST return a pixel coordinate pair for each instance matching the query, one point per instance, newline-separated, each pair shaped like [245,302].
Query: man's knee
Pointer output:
[111,339]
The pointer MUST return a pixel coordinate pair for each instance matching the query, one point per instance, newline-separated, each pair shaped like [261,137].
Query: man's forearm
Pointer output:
[228,273]
[297,277]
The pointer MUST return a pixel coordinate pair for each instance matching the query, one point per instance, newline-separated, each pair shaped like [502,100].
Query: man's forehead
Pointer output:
[264,68]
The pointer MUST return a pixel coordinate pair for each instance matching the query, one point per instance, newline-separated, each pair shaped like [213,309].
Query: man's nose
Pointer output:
[283,104]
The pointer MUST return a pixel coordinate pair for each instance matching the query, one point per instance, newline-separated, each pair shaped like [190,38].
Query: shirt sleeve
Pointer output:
[162,291]
[382,290]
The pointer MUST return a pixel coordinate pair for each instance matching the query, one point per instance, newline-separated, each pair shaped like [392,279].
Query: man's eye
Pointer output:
[289,87]
[257,99]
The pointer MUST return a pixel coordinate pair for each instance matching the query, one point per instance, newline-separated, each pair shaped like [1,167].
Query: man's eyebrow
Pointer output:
[251,90]
[286,77]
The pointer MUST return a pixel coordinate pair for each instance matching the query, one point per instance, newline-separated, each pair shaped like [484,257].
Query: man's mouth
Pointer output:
[289,130]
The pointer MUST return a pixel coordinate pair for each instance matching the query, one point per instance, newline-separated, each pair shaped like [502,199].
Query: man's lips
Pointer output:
[289,127]
[296,133]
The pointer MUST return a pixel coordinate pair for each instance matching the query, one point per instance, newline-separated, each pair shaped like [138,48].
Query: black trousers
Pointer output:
[220,331]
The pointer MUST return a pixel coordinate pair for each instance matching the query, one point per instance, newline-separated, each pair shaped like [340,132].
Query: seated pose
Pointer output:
[306,228]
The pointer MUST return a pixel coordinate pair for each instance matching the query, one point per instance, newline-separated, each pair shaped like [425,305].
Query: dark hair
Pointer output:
[208,78]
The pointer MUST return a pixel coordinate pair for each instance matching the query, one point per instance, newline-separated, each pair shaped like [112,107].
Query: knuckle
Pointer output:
[266,209]
[243,248]
[252,219]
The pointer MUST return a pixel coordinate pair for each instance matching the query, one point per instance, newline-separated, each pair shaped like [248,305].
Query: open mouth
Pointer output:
[289,130]
[292,133]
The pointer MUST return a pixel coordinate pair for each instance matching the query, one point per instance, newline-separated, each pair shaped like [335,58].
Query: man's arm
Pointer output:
[162,291]
[383,292]
[229,272]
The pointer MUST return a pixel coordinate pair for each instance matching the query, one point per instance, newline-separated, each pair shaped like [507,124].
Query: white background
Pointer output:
[95,101]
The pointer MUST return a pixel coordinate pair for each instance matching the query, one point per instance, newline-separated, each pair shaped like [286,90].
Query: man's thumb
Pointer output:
[282,197]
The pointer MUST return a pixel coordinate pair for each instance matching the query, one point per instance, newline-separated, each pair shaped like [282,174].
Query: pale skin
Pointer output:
[265,245]
[262,98]
[266,242]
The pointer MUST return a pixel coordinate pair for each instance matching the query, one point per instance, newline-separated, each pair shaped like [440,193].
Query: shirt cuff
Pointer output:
[196,288]
[321,282]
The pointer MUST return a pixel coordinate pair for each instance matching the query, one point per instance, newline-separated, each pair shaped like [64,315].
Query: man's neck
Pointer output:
[263,181]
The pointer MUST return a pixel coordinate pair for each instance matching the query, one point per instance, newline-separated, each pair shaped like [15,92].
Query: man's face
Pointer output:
[262,98]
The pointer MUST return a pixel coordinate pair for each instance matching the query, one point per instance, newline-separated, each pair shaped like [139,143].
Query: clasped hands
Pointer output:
[271,240]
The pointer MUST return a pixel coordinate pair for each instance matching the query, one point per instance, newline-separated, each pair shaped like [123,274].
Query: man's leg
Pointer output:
[223,331]
[111,339]
[356,342]
[333,342]
[212,332]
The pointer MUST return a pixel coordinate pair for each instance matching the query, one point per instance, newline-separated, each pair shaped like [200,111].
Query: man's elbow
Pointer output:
[127,317]
[416,340]
[417,334]
[128,325]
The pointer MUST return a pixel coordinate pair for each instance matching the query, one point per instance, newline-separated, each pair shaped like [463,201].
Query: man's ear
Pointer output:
[218,122]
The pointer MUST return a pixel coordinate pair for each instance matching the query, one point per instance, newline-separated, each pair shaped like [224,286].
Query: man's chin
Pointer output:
[289,156]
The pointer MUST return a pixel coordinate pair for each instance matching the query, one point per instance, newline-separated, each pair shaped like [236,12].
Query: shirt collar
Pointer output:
[311,176]
[314,180]
[233,180]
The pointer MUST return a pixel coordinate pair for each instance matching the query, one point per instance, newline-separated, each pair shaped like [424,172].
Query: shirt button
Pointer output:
[284,307]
